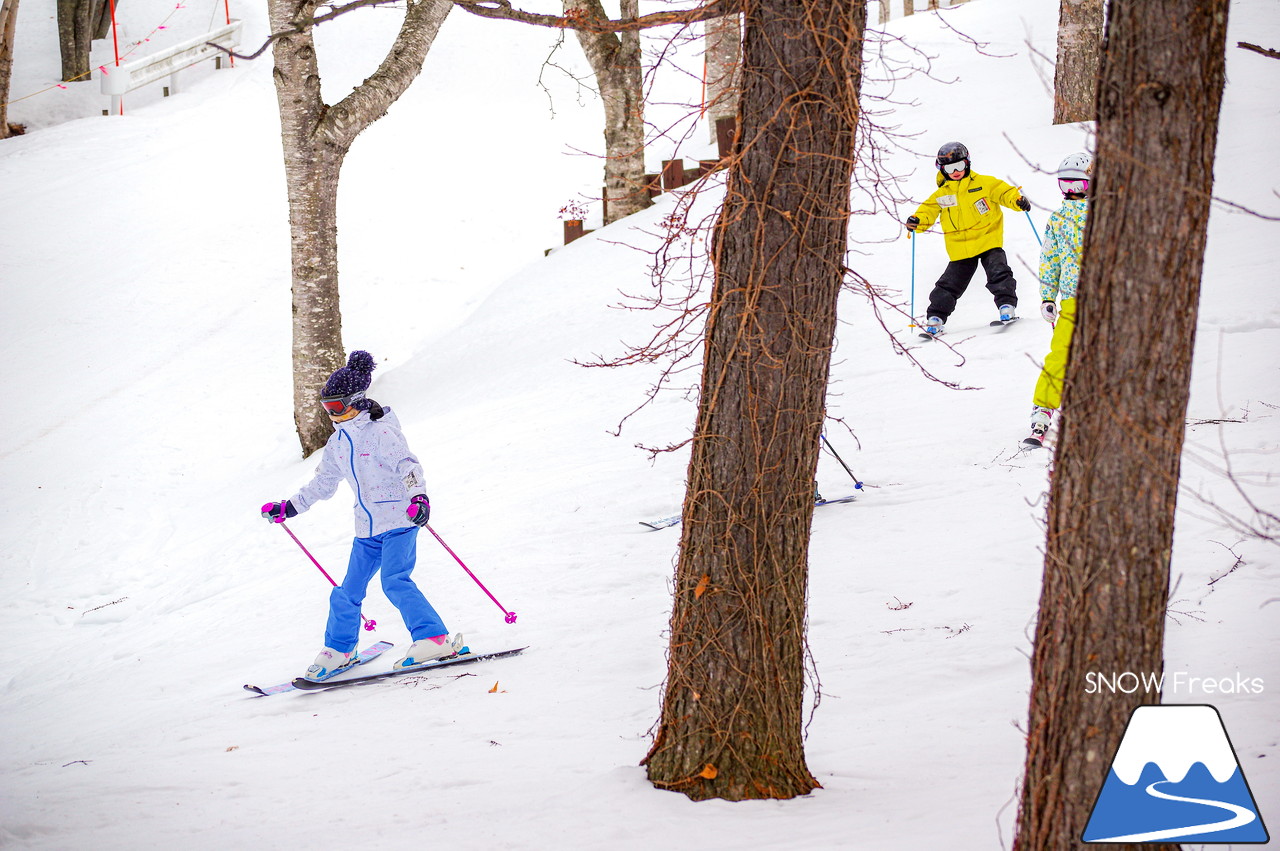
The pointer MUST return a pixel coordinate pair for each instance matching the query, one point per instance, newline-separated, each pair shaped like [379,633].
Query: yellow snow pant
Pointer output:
[1049,386]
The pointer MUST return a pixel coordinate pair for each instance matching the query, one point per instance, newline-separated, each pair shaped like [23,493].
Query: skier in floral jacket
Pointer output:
[1059,274]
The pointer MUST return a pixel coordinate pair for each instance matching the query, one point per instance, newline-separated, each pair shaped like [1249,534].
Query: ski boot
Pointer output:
[1041,419]
[430,650]
[934,326]
[331,662]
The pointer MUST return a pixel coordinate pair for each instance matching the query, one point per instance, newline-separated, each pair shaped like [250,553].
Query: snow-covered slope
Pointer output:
[144,278]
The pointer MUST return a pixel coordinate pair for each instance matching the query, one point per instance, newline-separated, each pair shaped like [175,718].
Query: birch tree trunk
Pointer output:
[615,60]
[732,712]
[1114,487]
[1075,77]
[8,23]
[316,138]
[724,58]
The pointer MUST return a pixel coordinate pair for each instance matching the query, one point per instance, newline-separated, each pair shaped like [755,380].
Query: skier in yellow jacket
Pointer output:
[968,206]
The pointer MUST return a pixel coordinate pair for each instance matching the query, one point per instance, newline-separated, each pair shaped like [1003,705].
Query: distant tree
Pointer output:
[1115,481]
[615,61]
[8,23]
[1075,76]
[723,42]
[731,724]
[79,23]
[316,138]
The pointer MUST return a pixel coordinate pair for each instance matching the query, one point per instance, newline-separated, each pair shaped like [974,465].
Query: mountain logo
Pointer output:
[1175,777]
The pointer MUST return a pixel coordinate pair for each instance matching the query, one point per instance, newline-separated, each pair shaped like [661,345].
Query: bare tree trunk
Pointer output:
[1114,489]
[723,61]
[75,38]
[615,61]
[1075,77]
[8,23]
[102,18]
[731,723]
[316,139]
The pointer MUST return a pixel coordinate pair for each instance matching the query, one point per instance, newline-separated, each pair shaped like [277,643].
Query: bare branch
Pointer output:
[1265,51]
[504,11]
[303,27]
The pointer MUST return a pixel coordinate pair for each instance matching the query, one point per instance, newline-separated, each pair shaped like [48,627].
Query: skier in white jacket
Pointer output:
[369,452]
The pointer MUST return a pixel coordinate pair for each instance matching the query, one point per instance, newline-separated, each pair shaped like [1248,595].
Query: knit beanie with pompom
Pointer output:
[355,377]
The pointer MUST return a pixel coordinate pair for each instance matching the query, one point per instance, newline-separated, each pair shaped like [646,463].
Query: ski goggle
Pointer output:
[957,165]
[338,405]
[1074,186]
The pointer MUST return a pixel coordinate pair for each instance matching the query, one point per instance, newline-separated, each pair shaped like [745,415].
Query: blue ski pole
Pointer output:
[913,280]
[1039,241]
[857,485]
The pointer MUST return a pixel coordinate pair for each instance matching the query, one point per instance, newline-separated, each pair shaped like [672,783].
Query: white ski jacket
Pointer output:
[374,459]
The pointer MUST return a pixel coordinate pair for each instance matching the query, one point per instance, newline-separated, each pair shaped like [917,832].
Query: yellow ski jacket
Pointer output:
[969,208]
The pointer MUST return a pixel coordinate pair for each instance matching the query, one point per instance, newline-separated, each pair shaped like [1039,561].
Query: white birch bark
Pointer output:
[724,63]
[1075,77]
[8,22]
[316,138]
[615,61]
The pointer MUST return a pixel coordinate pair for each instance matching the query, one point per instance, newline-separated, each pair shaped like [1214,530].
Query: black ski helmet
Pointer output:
[952,152]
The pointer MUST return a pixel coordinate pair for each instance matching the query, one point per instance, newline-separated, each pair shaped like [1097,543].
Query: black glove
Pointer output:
[913,222]
[1023,204]
[278,512]
[419,510]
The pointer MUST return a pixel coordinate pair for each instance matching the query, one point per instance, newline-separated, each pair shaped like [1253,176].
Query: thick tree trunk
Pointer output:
[1114,488]
[615,61]
[731,723]
[1075,77]
[8,23]
[75,38]
[316,139]
[723,59]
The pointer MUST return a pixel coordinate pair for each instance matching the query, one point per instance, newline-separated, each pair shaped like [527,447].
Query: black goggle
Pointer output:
[338,405]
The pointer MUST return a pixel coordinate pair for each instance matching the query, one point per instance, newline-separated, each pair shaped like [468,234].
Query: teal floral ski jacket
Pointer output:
[1060,254]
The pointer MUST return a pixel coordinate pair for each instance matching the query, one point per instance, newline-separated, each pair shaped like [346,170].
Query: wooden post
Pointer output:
[653,185]
[884,11]
[572,230]
[726,130]
[672,174]
[908,7]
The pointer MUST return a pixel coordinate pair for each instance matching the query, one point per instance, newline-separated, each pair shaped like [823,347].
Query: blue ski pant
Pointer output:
[394,553]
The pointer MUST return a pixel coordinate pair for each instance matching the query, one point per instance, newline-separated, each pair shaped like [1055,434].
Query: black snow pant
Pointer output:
[955,280]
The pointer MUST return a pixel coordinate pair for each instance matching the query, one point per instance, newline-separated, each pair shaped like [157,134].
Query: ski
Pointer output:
[373,651]
[664,523]
[668,522]
[1032,443]
[1000,323]
[463,658]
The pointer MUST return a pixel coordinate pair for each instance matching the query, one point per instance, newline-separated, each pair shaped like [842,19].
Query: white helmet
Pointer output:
[1074,173]
[1076,166]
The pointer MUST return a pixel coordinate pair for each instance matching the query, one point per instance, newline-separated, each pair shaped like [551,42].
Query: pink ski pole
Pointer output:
[369,625]
[511,616]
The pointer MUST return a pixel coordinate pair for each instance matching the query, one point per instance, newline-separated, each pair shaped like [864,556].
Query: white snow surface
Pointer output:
[145,284]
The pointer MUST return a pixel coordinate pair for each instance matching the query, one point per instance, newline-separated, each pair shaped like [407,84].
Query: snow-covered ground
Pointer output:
[144,273]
